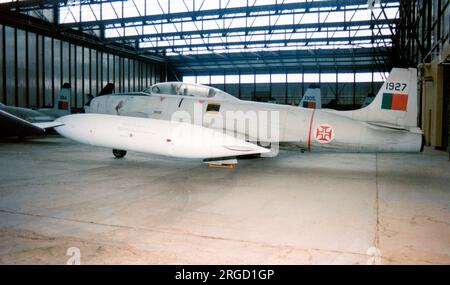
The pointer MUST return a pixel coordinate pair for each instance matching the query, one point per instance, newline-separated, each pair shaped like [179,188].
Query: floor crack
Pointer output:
[376,241]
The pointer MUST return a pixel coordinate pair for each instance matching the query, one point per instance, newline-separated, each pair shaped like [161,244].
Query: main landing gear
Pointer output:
[118,153]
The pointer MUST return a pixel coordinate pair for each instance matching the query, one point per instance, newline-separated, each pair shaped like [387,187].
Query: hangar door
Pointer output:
[446,111]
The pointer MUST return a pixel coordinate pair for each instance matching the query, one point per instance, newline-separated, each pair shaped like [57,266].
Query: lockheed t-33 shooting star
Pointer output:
[159,120]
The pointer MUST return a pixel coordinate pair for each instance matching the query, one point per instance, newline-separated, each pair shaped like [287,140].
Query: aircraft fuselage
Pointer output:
[310,129]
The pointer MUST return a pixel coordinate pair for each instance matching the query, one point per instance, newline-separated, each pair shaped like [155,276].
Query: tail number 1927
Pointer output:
[396,86]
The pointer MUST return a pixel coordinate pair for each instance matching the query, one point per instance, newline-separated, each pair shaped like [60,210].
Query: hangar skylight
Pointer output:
[289,78]
[189,27]
[201,37]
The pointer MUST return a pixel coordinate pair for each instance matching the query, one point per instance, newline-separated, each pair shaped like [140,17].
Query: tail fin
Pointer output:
[63,100]
[108,89]
[395,103]
[312,98]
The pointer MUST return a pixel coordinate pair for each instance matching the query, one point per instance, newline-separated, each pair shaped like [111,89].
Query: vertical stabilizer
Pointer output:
[312,98]
[108,89]
[63,100]
[395,104]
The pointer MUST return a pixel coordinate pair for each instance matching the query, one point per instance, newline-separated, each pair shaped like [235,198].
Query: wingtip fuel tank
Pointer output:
[161,137]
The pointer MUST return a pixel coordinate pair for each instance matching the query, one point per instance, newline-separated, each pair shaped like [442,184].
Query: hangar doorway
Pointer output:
[446,109]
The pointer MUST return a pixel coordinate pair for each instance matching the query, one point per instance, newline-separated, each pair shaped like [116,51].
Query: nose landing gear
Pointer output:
[118,153]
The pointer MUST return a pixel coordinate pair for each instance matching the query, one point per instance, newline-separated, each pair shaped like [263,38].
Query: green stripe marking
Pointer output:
[387,101]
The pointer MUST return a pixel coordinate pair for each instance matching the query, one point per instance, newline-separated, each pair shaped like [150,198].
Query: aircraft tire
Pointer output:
[118,153]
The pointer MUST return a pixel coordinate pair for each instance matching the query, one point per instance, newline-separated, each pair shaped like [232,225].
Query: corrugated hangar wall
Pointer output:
[34,67]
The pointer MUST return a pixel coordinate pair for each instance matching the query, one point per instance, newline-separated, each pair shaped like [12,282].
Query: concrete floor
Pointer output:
[297,208]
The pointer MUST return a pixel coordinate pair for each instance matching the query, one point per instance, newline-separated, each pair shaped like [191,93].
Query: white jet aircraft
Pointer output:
[150,122]
[17,121]
[21,122]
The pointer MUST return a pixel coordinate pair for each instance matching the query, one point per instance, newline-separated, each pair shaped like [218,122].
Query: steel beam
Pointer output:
[265,70]
[299,54]
[247,10]
[33,5]
[269,29]
[262,42]
[45,28]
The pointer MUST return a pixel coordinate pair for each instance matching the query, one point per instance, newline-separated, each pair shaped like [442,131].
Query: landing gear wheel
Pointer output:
[118,153]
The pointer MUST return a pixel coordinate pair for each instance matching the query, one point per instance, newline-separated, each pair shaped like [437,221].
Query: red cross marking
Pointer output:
[324,134]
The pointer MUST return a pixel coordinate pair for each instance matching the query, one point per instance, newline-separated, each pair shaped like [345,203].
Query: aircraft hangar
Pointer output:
[369,185]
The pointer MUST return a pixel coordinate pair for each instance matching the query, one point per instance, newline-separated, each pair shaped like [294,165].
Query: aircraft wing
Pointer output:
[47,125]
[11,126]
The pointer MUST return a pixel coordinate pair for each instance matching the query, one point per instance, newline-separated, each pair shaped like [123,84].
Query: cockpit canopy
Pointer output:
[188,89]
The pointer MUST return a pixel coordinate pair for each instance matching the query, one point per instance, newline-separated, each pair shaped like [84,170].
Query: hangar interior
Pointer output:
[174,211]
[260,50]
